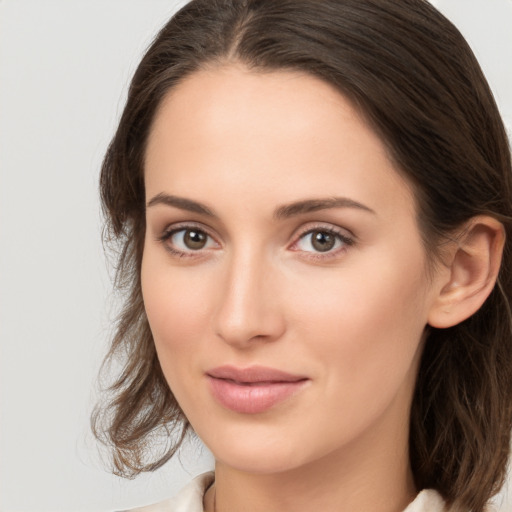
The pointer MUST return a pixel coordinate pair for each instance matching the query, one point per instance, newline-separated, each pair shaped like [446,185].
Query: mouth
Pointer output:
[252,390]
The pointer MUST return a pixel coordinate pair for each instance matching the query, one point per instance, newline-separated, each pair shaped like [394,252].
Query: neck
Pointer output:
[372,477]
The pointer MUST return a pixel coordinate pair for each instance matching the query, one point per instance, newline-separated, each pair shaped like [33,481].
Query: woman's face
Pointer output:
[283,276]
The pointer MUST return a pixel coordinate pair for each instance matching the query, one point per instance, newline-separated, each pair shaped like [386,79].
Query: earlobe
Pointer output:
[472,269]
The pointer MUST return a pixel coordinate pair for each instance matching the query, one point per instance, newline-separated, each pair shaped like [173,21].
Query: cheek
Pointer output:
[353,301]
[365,325]
[171,309]
[176,314]
[177,311]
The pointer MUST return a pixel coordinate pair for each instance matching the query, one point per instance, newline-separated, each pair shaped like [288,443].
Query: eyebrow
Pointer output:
[314,205]
[181,203]
[282,212]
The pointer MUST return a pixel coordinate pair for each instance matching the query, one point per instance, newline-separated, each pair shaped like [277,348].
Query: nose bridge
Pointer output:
[247,308]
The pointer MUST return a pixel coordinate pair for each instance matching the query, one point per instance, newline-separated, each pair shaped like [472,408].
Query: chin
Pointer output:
[258,463]
[261,459]
[257,451]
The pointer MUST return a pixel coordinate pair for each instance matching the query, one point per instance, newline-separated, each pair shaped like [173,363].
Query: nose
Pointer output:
[248,309]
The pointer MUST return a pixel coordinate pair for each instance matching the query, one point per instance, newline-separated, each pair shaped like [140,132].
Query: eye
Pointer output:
[323,240]
[186,240]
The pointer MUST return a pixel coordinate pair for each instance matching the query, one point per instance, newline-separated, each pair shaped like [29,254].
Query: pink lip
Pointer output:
[252,390]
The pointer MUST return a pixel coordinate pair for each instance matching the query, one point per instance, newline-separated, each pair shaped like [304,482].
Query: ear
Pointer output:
[471,272]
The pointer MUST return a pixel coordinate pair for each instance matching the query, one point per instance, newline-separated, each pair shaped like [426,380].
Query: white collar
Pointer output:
[190,499]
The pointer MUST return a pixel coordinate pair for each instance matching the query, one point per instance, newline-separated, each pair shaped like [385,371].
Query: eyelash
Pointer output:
[169,233]
[347,241]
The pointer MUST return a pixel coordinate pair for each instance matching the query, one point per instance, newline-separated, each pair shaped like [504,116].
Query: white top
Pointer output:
[190,499]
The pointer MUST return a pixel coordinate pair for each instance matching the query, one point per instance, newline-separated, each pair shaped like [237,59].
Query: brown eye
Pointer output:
[195,239]
[187,240]
[322,241]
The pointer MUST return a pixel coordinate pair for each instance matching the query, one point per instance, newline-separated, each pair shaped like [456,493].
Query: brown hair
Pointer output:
[415,80]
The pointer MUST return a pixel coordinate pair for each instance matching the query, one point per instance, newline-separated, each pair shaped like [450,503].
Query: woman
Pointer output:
[313,205]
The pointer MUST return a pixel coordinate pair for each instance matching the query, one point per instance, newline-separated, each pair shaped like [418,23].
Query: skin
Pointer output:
[350,319]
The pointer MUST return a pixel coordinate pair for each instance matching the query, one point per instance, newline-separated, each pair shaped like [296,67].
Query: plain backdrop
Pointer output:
[64,70]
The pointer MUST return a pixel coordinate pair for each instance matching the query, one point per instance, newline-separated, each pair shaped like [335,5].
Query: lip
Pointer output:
[254,389]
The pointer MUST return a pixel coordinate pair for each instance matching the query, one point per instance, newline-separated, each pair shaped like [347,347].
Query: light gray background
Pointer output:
[64,69]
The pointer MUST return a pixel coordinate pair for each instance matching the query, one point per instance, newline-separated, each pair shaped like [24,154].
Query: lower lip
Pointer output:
[252,398]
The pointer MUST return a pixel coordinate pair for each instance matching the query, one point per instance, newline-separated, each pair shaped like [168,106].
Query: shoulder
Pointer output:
[189,499]
[427,500]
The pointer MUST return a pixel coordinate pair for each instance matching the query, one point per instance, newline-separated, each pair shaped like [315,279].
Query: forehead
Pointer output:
[279,131]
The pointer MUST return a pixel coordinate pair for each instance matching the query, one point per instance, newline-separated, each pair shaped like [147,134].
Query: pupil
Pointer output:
[195,239]
[323,241]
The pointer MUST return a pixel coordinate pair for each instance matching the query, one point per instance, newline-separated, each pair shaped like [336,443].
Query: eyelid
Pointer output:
[178,226]
[347,238]
[172,229]
[326,226]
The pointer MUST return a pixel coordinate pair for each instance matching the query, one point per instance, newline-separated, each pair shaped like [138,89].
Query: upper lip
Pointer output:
[253,374]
